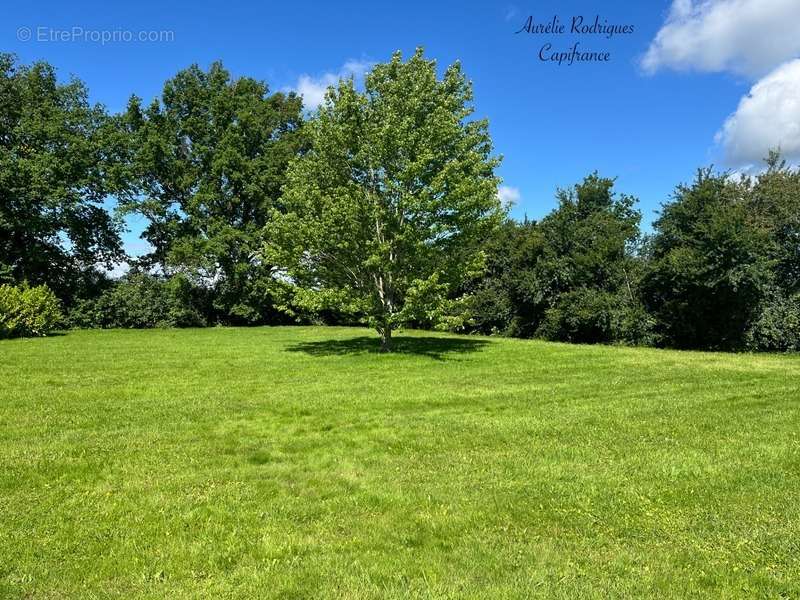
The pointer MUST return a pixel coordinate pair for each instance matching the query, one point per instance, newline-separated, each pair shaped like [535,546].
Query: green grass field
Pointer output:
[298,462]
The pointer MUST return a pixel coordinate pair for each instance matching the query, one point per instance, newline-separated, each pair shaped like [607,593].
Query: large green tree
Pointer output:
[573,276]
[504,298]
[385,212]
[775,208]
[588,272]
[56,152]
[724,261]
[709,264]
[208,159]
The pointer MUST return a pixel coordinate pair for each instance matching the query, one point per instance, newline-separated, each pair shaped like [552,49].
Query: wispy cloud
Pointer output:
[313,88]
[509,196]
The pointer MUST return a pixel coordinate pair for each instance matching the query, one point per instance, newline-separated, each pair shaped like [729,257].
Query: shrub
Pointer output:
[633,325]
[777,327]
[27,311]
[581,316]
[590,316]
[141,301]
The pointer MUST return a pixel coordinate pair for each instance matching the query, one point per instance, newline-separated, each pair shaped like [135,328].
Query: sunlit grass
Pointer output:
[299,462]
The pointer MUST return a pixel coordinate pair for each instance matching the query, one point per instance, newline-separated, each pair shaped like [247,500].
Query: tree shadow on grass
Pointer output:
[432,347]
[51,334]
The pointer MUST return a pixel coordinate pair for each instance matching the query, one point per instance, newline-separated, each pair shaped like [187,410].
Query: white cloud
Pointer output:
[747,37]
[509,196]
[313,89]
[767,118]
[754,38]
[118,270]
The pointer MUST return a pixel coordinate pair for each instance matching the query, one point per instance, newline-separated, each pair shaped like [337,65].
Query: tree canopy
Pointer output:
[572,276]
[385,212]
[207,162]
[56,152]
[723,270]
[381,206]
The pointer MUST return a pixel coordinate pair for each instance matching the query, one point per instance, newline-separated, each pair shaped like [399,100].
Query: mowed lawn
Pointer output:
[298,462]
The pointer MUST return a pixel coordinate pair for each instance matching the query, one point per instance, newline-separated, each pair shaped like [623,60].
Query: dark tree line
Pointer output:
[573,276]
[216,166]
[724,263]
[721,269]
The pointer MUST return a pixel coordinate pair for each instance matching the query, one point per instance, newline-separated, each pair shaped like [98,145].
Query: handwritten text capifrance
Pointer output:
[597,27]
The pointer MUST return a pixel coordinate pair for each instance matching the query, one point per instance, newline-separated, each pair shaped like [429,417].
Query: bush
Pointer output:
[580,316]
[141,301]
[590,316]
[777,327]
[634,326]
[27,311]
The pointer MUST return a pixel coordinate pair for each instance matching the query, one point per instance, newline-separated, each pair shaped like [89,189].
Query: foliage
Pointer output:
[503,298]
[381,209]
[774,201]
[587,264]
[775,208]
[27,311]
[592,316]
[571,277]
[385,211]
[777,326]
[55,153]
[713,261]
[143,301]
[206,164]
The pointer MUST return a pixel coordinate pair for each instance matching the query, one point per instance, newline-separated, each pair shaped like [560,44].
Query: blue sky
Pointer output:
[650,126]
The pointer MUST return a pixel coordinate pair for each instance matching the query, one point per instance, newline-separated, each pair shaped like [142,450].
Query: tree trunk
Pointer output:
[386,338]
[385,327]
